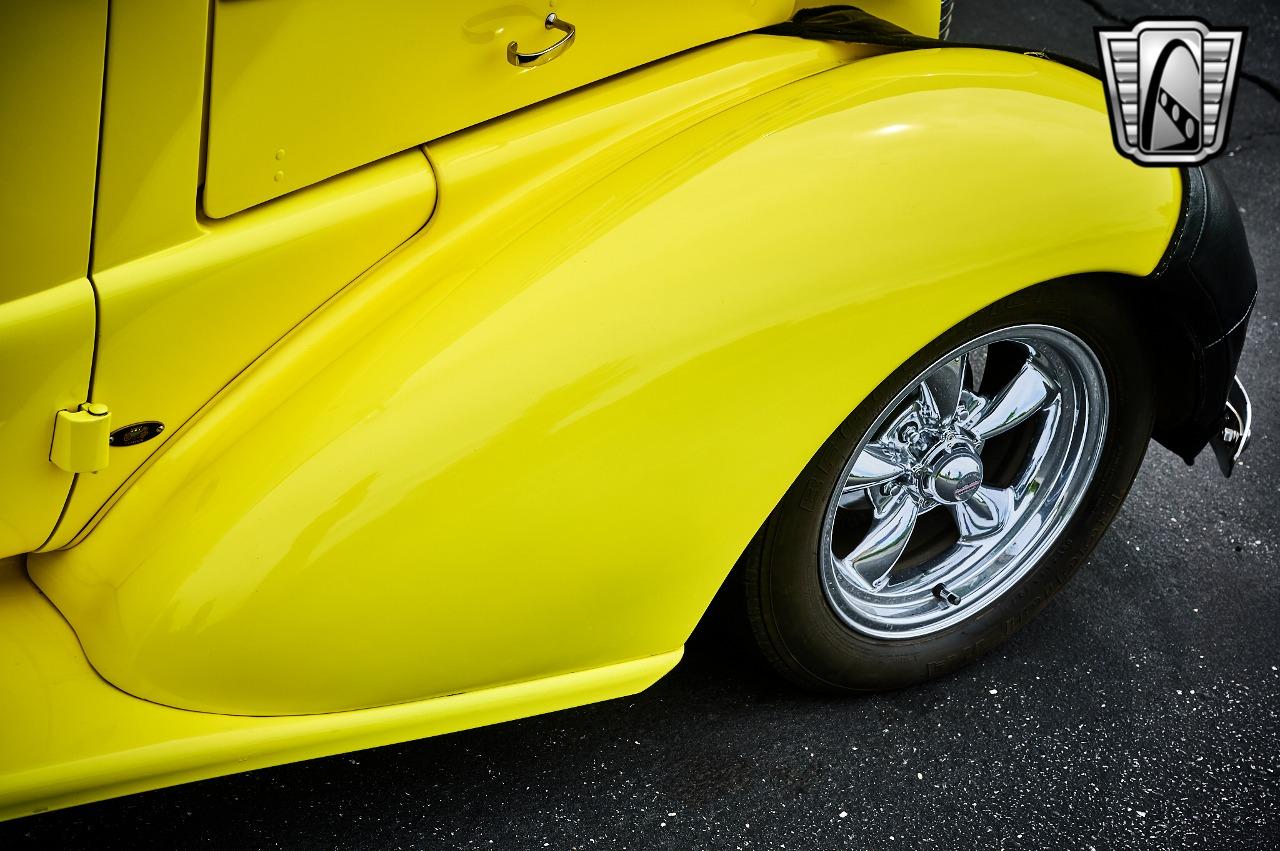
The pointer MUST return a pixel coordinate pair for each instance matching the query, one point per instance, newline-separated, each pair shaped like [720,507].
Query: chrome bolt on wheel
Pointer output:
[1008,465]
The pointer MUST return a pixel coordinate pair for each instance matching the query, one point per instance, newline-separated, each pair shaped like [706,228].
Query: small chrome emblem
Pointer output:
[968,485]
[136,433]
[1170,85]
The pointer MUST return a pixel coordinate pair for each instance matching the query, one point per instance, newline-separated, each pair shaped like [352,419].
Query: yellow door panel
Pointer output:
[444,468]
[51,57]
[151,127]
[304,90]
[46,350]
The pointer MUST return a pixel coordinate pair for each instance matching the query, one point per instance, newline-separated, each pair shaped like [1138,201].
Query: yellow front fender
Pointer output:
[535,439]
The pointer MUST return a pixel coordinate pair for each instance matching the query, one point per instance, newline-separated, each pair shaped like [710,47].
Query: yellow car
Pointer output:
[375,370]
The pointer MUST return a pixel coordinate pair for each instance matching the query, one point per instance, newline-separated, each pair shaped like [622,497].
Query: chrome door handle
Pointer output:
[542,57]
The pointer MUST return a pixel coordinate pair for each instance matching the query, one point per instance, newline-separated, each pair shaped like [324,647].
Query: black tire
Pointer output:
[794,625]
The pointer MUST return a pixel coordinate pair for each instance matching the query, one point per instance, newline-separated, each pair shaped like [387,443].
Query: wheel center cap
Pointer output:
[954,477]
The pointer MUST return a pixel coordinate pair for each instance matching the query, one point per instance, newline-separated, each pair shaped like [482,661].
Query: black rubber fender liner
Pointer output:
[1196,310]
[853,25]
[1202,293]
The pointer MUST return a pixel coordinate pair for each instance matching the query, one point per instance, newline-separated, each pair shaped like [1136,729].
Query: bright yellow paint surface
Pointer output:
[175,326]
[304,90]
[184,303]
[246,280]
[534,439]
[301,90]
[46,349]
[151,129]
[51,58]
[67,737]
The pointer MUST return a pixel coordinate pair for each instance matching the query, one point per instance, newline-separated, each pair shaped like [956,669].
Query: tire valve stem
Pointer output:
[940,591]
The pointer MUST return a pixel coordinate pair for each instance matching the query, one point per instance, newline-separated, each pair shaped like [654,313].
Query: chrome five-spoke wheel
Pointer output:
[960,495]
[963,480]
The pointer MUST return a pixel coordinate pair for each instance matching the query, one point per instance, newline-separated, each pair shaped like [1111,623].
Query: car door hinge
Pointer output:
[80,438]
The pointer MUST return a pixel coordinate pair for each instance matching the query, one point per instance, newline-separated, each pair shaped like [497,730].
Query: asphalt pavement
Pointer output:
[1139,710]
